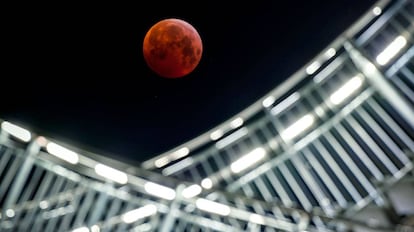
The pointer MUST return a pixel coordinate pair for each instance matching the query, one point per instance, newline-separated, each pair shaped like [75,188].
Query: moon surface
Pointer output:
[172,48]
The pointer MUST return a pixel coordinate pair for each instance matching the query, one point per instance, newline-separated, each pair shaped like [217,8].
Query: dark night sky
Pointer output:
[76,72]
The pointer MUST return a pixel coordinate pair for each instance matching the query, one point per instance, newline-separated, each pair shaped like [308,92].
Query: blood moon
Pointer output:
[172,48]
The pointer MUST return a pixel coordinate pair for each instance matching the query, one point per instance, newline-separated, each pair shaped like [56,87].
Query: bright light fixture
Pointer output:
[256,218]
[207,183]
[111,173]
[16,131]
[95,228]
[136,214]
[213,207]
[81,229]
[330,53]
[248,160]
[143,227]
[161,162]
[10,213]
[236,122]
[62,153]
[346,90]
[312,68]
[43,204]
[184,151]
[191,191]
[268,101]
[391,50]
[159,190]
[216,134]
[298,127]
[377,10]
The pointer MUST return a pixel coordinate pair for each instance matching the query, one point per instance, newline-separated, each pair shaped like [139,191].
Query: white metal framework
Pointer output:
[322,147]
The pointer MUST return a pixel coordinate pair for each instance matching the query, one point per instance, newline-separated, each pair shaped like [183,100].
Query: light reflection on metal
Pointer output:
[286,103]
[232,138]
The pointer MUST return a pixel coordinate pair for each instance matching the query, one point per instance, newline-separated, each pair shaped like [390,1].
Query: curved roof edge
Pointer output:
[277,92]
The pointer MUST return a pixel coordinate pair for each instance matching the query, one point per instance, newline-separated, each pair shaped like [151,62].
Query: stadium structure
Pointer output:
[329,149]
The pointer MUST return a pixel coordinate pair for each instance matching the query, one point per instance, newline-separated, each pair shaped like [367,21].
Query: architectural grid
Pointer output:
[330,149]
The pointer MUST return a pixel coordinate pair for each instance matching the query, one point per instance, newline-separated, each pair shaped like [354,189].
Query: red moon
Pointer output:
[172,48]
